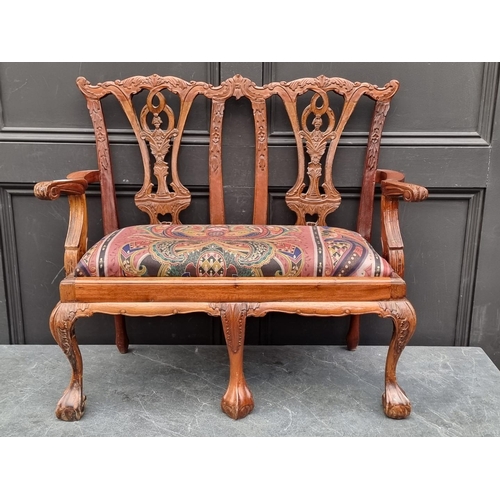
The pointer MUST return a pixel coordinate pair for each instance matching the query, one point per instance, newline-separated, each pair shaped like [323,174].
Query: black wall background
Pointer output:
[442,131]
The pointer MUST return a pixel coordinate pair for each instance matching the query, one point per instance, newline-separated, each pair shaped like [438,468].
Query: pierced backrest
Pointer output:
[156,131]
[316,130]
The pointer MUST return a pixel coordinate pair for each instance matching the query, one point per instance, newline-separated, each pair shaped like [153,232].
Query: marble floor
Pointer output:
[298,391]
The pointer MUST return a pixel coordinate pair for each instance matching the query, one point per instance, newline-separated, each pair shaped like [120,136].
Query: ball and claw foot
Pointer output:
[396,404]
[237,402]
[71,406]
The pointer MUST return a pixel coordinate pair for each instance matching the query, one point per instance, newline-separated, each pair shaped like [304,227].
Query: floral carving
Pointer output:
[259,112]
[372,153]
[215,152]
[101,135]
[158,139]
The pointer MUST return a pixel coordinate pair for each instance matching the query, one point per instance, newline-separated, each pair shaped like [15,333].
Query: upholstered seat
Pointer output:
[231,251]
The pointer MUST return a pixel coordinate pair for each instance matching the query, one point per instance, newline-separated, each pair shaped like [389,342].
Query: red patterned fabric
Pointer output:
[232,250]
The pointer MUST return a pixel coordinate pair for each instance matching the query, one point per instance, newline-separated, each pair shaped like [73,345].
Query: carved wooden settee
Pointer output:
[227,270]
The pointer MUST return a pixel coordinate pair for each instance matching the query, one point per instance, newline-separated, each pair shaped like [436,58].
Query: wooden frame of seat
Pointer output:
[159,133]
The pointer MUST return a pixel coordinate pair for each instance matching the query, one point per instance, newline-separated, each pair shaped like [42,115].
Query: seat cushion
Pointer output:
[232,250]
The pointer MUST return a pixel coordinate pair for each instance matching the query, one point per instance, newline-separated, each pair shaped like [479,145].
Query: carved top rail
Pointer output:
[316,130]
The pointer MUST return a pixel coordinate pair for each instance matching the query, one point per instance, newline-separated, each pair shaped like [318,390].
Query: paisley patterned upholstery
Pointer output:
[232,250]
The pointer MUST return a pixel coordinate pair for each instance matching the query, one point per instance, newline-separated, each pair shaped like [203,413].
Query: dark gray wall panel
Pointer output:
[10,263]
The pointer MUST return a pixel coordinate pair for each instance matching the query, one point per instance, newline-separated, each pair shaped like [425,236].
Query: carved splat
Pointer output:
[159,139]
[321,140]
[157,133]
[316,140]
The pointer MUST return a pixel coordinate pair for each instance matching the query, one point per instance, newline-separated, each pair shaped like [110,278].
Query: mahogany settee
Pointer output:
[229,270]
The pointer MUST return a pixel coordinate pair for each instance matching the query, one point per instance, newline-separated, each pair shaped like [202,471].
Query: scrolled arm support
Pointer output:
[393,188]
[51,190]
[75,183]
[393,185]
[409,192]
[74,186]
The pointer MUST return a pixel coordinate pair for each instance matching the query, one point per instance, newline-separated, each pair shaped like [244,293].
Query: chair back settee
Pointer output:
[234,271]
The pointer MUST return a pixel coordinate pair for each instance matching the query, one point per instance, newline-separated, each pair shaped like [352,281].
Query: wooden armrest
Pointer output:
[392,175]
[74,186]
[75,183]
[392,185]
[409,192]
[88,175]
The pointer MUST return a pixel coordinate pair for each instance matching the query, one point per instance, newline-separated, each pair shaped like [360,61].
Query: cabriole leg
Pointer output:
[396,403]
[237,402]
[62,326]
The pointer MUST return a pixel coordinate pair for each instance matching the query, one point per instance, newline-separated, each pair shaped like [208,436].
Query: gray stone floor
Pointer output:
[298,391]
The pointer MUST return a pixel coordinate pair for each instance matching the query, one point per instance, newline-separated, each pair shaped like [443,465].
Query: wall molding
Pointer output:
[488,100]
[197,137]
[468,275]
[10,263]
